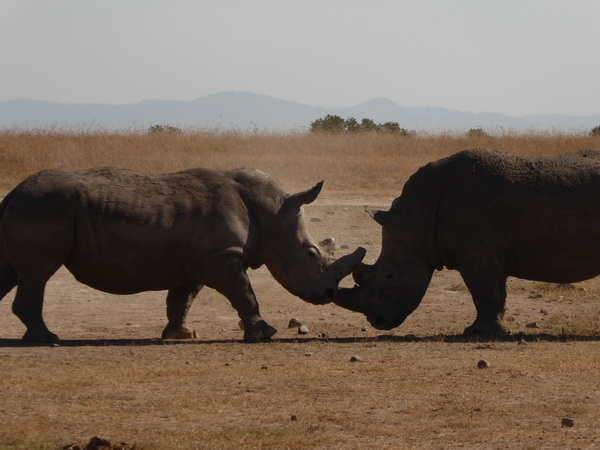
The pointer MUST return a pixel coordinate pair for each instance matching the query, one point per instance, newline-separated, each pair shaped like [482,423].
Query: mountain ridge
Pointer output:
[248,111]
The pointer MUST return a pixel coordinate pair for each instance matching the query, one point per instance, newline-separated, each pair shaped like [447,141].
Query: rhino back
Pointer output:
[133,232]
[540,214]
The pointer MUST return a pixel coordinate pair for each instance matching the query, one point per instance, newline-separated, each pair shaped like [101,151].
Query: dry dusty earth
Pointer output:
[418,386]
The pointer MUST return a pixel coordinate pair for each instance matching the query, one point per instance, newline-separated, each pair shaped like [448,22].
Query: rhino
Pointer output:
[124,232]
[490,216]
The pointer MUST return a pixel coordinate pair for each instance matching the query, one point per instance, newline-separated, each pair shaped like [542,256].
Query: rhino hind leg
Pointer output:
[27,306]
[485,279]
[179,301]
[8,279]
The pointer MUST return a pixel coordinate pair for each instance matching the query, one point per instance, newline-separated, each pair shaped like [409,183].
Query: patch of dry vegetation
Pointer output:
[373,162]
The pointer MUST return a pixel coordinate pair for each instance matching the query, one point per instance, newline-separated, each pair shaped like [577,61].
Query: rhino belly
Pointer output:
[560,257]
[127,263]
[124,278]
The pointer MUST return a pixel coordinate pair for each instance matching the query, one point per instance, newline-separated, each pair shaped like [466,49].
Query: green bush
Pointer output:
[335,124]
[477,132]
[163,129]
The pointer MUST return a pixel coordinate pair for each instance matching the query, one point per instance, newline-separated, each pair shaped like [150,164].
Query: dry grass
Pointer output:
[366,162]
[416,387]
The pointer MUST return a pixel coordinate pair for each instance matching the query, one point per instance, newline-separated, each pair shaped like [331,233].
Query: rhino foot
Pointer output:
[259,331]
[43,336]
[496,328]
[179,333]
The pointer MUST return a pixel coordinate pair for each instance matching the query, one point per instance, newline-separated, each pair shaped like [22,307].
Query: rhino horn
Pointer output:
[351,299]
[381,217]
[346,264]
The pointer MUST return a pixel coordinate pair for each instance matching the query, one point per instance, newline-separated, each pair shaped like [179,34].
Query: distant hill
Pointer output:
[247,111]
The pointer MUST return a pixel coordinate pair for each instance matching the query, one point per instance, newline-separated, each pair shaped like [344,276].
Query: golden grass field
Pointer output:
[417,386]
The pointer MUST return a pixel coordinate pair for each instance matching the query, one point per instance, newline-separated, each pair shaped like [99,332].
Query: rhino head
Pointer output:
[392,288]
[297,262]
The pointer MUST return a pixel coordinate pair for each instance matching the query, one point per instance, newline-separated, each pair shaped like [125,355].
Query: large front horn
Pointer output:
[344,266]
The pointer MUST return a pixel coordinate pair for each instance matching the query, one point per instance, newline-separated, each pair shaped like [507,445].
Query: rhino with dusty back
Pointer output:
[488,215]
[123,232]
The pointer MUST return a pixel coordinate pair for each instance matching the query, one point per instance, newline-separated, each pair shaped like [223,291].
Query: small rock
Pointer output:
[264,367]
[308,354]
[294,323]
[567,423]
[532,325]
[536,296]
[315,219]
[355,358]
[364,329]
[544,312]
[483,364]
[522,342]
[324,335]
[344,246]
[294,418]
[303,329]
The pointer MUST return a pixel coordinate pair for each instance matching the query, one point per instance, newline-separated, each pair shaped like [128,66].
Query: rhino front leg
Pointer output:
[179,301]
[485,279]
[229,277]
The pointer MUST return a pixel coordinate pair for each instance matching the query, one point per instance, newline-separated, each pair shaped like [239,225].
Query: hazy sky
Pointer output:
[514,57]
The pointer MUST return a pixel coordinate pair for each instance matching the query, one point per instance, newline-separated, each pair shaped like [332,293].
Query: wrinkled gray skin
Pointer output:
[490,216]
[122,232]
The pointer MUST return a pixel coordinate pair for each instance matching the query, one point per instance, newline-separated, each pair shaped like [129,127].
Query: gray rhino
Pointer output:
[123,232]
[490,216]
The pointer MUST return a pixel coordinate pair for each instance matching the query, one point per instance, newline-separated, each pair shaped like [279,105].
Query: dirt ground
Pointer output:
[418,386]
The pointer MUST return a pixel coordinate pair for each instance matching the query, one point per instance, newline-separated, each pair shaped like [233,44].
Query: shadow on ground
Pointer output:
[451,339]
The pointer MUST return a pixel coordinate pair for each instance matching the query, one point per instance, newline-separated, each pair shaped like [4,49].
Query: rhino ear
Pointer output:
[381,217]
[295,201]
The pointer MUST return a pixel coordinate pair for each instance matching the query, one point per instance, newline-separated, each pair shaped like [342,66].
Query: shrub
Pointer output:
[595,131]
[163,129]
[477,132]
[335,124]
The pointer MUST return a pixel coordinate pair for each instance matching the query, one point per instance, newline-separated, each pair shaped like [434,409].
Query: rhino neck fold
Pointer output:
[261,211]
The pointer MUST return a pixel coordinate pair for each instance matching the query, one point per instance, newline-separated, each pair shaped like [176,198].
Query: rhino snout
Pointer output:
[322,298]
[352,299]
[363,274]
[381,321]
